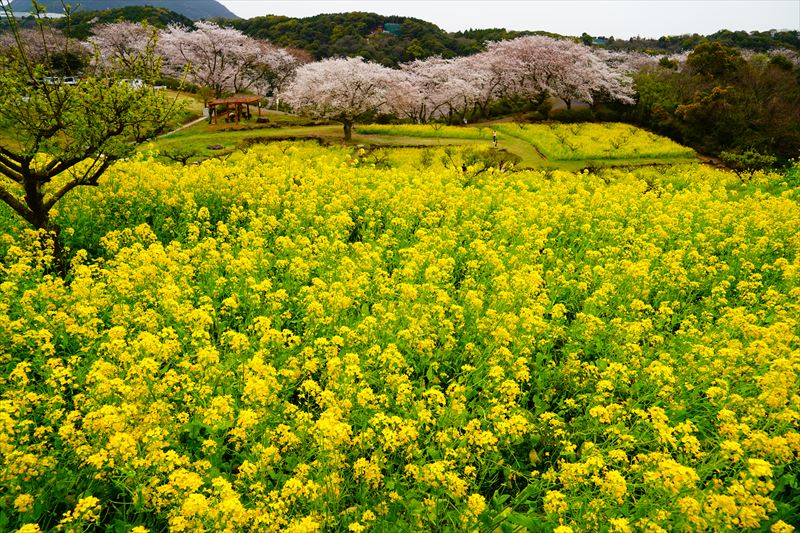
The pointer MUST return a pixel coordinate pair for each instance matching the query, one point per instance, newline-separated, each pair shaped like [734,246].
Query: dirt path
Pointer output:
[187,125]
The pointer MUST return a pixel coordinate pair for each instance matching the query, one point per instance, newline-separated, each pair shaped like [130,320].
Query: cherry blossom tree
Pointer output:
[122,43]
[405,96]
[346,90]
[626,61]
[45,44]
[276,67]
[588,79]
[524,65]
[443,86]
[486,72]
[223,59]
[571,71]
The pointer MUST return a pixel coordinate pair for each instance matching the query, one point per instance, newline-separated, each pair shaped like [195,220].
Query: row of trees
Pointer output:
[531,69]
[527,70]
[722,101]
[756,41]
[715,98]
[220,60]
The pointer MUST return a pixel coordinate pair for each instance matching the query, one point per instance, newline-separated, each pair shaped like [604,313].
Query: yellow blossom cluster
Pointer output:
[288,341]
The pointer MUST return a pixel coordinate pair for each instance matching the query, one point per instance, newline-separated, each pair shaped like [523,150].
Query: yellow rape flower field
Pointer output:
[299,339]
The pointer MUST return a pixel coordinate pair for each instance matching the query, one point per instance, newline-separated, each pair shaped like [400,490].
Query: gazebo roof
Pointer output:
[241,99]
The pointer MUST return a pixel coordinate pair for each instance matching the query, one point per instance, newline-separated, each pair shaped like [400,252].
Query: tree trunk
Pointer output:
[348,129]
[53,238]
[40,219]
[569,103]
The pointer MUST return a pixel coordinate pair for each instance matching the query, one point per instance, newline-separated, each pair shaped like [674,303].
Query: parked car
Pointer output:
[58,80]
[136,83]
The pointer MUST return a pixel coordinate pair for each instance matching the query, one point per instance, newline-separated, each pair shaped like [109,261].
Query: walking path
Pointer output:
[187,125]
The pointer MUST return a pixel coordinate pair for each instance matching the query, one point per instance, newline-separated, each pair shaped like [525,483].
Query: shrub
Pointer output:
[583,114]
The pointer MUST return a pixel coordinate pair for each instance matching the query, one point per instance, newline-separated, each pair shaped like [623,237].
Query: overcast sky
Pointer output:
[620,18]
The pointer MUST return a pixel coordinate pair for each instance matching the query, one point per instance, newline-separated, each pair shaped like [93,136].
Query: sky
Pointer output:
[620,18]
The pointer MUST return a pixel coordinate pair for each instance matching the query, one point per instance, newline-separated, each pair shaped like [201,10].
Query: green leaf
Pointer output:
[524,521]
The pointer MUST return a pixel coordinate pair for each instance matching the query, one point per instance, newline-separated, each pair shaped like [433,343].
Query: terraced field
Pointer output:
[564,146]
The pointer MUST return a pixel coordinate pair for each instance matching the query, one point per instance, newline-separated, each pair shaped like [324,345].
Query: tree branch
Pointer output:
[11,156]
[16,204]
[57,166]
[14,174]
[77,182]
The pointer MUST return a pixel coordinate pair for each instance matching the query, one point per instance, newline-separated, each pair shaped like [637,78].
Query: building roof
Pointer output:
[392,27]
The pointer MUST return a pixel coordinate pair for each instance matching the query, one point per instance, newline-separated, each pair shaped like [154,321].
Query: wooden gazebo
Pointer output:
[235,107]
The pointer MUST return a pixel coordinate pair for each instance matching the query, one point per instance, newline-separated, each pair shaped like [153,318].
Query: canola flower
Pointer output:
[296,340]
[608,140]
[426,130]
[558,142]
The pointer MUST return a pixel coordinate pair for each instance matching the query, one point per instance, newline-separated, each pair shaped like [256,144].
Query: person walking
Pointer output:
[494,138]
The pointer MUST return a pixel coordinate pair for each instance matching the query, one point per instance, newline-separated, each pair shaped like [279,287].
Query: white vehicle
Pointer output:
[136,83]
[58,80]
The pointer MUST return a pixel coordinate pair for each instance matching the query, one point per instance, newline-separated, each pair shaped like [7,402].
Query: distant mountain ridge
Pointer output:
[193,9]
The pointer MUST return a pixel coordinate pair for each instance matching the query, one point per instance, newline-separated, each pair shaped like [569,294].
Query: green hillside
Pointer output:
[81,23]
[391,40]
[385,39]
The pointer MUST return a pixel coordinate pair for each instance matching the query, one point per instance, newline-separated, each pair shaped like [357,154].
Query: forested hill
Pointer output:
[389,40]
[193,9]
[757,41]
[81,22]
